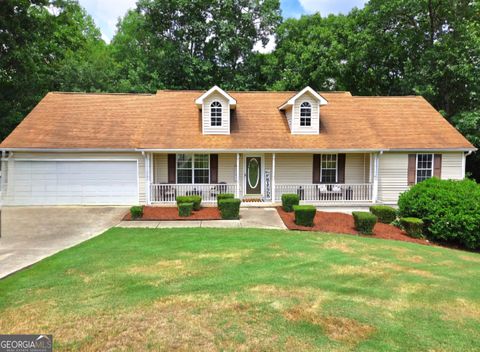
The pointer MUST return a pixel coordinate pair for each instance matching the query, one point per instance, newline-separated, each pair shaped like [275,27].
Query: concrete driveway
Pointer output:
[29,234]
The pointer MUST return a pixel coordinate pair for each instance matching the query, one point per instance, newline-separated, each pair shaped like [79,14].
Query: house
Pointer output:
[330,148]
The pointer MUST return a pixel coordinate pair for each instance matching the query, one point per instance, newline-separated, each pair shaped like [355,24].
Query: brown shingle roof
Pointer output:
[170,120]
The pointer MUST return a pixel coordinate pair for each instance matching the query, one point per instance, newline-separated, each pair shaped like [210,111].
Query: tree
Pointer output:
[182,44]
[43,42]
[312,51]
[426,47]
[468,123]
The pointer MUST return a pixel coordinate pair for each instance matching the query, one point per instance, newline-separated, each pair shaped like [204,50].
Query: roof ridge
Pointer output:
[385,96]
[99,93]
[254,91]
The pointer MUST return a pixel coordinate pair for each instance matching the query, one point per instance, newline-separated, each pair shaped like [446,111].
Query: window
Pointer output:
[424,167]
[216,114]
[328,168]
[193,168]
[305,114]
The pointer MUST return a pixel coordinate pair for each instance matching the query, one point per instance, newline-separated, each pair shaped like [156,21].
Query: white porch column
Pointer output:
[238,176]
[146,157]
[375,177]
[273,177]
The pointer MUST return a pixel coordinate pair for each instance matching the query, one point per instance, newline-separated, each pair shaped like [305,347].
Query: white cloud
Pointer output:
[106,13]
[326,7]
[268,48]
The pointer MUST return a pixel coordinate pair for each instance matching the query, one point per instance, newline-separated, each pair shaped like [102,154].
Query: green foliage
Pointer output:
[304,214]
[223,196]
[193,44]
[385,214]
[468,123]
[47,45]
[230,208]
[185,209]
[449,209]
[412,226]
[196,200]
[364,222]
[289,200]
[136,212]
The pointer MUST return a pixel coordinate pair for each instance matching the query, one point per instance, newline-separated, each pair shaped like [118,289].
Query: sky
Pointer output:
[107,12]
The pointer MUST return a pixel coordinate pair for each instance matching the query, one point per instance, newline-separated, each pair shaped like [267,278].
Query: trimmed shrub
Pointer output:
[185,209]
[450,210]
[136,212]
[223,196]
[364,222]
[289,201]
[196,200]
[412,226]
[304,214]
[385,214]
[229,208]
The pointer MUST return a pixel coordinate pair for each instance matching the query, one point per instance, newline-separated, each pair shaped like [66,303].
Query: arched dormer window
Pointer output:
[216,114]
[305,114]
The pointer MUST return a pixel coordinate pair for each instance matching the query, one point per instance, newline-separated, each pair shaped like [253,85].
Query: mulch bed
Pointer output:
[343,223]
[171,213]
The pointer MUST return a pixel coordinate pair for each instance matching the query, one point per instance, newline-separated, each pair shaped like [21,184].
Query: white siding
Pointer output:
[77,156]
[288,114]
[227,164]
[294,168]
[160,168]
[315,127]
[225,127]
[357,168]
[392,176]
[452,166]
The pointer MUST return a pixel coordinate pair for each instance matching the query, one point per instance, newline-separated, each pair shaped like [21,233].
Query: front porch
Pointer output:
[262,179]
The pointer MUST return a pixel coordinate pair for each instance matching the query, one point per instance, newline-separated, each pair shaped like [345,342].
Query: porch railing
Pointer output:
[167,193]
[327,193]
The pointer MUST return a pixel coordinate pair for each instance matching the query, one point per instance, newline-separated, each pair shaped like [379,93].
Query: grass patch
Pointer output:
[247,289]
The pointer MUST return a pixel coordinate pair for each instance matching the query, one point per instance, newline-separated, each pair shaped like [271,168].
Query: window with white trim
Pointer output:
[216,114]
[424,167]
[193,168]
[328,168]
[305,114]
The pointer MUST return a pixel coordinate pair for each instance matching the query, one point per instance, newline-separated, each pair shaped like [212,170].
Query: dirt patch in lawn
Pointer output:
[171,213]
[344,224]
[336,328]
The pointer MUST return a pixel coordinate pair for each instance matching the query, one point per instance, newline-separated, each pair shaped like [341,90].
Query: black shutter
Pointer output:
[316,168]
[172,168]
[213,168]
[412,169]
[341,168]
[437,165]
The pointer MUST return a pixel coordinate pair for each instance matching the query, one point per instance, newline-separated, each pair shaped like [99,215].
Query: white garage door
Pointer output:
[74,182]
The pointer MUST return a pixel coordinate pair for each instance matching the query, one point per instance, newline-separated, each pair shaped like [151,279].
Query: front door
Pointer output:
[253,175]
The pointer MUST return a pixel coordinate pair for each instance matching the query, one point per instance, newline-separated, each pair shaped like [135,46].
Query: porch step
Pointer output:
[252,200]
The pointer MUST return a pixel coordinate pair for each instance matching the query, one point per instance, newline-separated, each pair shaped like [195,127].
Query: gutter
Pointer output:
[69,150]
[242,150]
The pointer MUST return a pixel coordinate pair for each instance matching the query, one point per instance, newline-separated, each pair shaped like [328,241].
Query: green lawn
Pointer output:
[242,289]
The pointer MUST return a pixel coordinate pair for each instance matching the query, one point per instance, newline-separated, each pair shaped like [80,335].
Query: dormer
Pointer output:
[303,111]
[216,105]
